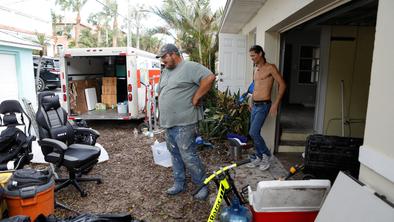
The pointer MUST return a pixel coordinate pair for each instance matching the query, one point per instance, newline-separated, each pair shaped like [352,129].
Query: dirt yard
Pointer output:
[133,183]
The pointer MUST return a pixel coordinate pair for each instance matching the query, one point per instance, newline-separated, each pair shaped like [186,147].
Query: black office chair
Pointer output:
[15,144]
[65,145]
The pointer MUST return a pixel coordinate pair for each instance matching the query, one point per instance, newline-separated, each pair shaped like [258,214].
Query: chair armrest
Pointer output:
[84,130]
[56,144]
[29,141]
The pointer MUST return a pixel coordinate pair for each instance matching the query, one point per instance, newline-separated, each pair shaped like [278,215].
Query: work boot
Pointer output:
[202,194]
[265,162]
[176,189]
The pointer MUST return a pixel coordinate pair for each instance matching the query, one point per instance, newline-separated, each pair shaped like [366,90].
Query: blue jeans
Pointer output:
[258,116]
[181,144]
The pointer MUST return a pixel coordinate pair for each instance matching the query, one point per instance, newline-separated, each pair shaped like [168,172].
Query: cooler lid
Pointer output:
[289,195]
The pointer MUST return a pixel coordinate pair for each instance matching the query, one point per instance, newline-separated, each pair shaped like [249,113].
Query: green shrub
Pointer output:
[223,114]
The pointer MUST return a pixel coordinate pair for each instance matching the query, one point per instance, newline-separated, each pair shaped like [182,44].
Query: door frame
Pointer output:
[321,88]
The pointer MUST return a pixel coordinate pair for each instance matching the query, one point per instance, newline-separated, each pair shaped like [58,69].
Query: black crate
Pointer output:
[330,154]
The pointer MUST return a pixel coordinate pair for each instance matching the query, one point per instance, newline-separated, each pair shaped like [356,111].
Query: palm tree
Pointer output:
[195,26]
[75,6]
[111,11]
[87,39]
[97,19]
[55,20]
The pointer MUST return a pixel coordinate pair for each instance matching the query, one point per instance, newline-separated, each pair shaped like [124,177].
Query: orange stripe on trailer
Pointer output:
[138,78]
[154,73]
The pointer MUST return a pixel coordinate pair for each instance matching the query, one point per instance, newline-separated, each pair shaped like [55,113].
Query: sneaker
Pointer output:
[202,194]
[175,189]
[265,162]
[254,163]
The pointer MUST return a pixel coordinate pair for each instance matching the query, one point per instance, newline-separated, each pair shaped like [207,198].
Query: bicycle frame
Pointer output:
[225,184]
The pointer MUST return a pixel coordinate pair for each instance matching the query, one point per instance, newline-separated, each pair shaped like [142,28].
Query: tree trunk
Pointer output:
[98,35]
[115,34]
[38,71]
[199,48]
[77,28]
[106,37]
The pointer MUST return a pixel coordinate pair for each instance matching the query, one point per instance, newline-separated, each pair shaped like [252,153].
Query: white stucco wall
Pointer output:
[377,153]
[272,13]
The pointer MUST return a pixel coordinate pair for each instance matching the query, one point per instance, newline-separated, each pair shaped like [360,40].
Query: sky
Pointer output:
[40,10]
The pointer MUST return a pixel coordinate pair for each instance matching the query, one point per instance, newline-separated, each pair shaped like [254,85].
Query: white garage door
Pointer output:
[8,81]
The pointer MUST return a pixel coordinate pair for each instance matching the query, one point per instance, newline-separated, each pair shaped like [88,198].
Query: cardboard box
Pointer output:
[108,90]
[100,106]
[109,81]
[109,100]
[77,95]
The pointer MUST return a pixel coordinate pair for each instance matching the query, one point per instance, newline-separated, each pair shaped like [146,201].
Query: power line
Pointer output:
[106,6]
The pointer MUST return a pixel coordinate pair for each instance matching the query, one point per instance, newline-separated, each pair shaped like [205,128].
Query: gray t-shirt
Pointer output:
[176,89]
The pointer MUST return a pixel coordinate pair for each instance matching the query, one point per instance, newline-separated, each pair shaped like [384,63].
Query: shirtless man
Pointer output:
[264,76]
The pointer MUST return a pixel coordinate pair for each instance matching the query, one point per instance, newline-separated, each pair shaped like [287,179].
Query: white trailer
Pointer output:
[133,69]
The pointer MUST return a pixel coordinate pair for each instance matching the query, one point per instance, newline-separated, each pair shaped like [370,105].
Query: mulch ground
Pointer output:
[133,184]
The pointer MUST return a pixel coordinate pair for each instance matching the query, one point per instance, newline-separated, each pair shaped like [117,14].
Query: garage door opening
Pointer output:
[326,61]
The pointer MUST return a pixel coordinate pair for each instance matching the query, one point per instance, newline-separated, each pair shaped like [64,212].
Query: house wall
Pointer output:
[24,72]
[377,153]
[273,12]
[350,60]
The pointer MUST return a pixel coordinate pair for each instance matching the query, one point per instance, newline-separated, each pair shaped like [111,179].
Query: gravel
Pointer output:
[133,184]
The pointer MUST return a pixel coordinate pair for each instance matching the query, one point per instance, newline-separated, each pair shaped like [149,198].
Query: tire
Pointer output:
[41,85]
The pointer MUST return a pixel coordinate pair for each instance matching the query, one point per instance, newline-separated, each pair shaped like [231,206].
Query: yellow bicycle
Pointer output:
[228,192]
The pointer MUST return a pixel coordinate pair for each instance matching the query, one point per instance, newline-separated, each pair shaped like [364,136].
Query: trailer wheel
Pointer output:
[142,126]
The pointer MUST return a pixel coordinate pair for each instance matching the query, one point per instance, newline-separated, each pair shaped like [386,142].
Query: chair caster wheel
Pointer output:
[99,181]
[84,194]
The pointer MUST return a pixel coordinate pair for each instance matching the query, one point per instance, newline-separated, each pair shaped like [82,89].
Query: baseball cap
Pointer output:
[167,48]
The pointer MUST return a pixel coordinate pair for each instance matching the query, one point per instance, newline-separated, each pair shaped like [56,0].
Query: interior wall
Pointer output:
[86,65]
[350,60]
[301,93]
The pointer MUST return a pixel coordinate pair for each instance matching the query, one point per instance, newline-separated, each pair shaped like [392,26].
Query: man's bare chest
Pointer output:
[262,74]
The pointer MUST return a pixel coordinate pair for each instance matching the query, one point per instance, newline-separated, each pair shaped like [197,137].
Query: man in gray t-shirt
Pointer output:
[182,85]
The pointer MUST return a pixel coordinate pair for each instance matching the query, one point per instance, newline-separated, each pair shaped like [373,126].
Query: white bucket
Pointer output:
[122,108]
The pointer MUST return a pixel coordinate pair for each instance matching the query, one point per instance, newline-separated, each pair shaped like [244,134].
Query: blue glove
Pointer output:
[250,91]
[251,88]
